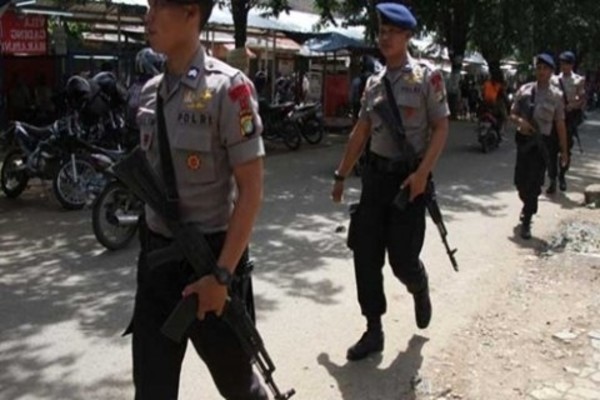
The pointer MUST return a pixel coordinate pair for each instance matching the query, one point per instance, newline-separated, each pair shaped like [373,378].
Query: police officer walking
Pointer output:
[378,225]
[538,106]
[213,130]
[572,88]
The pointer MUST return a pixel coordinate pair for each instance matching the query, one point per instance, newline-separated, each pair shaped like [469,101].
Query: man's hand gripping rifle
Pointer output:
[135,172]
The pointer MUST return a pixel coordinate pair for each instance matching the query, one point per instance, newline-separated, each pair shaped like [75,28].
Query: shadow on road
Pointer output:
[363,380]
[55,280]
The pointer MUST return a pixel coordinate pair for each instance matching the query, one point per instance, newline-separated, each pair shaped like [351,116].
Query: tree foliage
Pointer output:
[496,28]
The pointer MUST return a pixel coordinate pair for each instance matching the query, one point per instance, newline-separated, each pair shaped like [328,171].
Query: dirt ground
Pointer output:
[535,334]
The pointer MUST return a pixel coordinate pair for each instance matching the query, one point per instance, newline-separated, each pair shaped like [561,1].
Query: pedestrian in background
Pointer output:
[572,88]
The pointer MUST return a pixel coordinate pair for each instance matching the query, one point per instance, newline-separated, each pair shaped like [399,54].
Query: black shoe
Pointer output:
[422,308]
[552,187]
[370,342]
[526,227]
[562,184]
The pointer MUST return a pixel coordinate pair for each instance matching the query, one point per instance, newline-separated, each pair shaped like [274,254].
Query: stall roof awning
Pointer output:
[333,42]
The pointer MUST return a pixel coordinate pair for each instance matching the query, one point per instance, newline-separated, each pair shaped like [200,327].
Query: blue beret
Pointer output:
[545,58]
[567,56]
[397,14]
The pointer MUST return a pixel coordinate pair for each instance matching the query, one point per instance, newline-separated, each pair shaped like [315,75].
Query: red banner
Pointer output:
[23,34]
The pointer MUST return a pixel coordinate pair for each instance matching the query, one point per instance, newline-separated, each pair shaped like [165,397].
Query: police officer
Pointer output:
[377,224]
[537,107]
[572,88]
[213,129]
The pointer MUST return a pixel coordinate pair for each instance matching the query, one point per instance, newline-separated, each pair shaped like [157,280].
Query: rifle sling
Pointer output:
[400,137]
[166,160]
[168,170]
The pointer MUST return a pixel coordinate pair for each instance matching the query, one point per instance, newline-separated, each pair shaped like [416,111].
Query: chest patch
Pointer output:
[197,100]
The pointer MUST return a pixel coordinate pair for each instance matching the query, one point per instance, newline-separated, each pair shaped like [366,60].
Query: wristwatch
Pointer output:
[223,276]
[337,177]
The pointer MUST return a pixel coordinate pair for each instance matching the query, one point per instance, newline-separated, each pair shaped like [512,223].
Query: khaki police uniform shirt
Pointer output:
[420,95]
[549,105]
[574,86]
[213,125]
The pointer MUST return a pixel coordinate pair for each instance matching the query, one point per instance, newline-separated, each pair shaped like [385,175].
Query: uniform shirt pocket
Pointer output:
[193,157]
[545,112]
[409,106]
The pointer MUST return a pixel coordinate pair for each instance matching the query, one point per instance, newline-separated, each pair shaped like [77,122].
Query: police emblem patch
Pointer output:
[247,123]
[193,161]
[193,73]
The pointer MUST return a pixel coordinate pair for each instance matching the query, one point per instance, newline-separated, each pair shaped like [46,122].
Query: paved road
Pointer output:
[64,301]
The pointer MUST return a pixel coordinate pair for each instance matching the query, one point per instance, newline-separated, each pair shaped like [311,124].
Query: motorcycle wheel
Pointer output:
[13,177]
[73,194]
[114,199]
[291,136]
[312,131]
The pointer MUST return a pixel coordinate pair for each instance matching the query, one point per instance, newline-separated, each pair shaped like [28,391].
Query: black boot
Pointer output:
[552,187]
[562,183]
[422,308]
[526,226]
[370,342]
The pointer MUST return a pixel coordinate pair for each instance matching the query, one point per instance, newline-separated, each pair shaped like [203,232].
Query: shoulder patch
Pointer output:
[240,91]
[437,81]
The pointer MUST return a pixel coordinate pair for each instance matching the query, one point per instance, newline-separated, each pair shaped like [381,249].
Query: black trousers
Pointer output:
[553,145]
[529,174]
[377,226]
[156,359]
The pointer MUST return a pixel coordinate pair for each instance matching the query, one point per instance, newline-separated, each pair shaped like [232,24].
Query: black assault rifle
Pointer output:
[135,172]
[391,118]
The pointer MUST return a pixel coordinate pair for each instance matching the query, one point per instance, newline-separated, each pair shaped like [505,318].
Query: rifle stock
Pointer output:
[135,172]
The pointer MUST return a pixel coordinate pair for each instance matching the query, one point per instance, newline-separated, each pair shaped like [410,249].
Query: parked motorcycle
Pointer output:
[488,131]
[309,118]
[115,216]
[279,125]
[48,153]
[115,210]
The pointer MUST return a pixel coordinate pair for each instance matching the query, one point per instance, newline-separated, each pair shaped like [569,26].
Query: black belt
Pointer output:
[389,165]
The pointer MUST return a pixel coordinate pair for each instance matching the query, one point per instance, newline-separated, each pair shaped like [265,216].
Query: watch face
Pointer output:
[223,276]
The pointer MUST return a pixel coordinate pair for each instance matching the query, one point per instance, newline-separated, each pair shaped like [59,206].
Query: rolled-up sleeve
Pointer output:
[240,126]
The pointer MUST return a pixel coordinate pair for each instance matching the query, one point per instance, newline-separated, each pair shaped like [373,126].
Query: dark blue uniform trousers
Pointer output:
[157,359]
[530,169]
[377,225]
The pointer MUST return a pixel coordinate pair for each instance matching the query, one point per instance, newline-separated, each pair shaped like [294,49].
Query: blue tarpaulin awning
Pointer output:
[333,41]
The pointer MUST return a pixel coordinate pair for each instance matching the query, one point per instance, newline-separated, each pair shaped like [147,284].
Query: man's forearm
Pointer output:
[435,147]
[355,147]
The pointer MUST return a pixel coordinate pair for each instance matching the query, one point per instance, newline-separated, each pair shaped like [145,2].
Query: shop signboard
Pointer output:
[23,34]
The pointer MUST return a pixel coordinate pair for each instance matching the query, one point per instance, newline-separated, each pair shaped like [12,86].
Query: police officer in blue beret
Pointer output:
[379,225]
[537,108]
[572,88]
